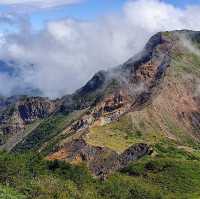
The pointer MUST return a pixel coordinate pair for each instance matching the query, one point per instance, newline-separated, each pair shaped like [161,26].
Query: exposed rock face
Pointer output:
[13,125]
[86,96]
[95,83]
[101,167]
[136,83]
[35,108]
[143,70]
[110,109]
[22,112]
[101,161]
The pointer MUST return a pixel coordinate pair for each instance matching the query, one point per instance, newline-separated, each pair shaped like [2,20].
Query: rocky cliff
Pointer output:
[18,113]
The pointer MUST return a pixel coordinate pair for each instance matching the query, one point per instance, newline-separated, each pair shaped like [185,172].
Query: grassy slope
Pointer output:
[127,131]
[145,126]
[174,178]
[18,137]
[157,122]
[48,131]
[168,173]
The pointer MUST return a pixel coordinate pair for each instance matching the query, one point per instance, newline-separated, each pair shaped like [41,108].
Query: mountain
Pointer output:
[9,70]
[152,98]
[155,90]
[147,109]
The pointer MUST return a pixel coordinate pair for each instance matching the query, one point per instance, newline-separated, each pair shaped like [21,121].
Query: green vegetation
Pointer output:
[117,135]
[45,131]
[169,173]
[181,61]
[128,130]
[181,134]
[111,86]
[33,177]
[175,178]
[8,193]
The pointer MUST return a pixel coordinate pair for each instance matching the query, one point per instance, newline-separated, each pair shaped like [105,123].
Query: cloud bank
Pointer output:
[65,54]
[38,3]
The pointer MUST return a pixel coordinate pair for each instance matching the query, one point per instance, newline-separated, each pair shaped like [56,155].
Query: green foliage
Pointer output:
[168,174]
[111,87]
[125,187]
[166,150]
[8,193]
[45,131]
[186,63]
[117,135]
[49,187]
[173,176]
[121,134]
[78,174]
[172,169]
[33,177]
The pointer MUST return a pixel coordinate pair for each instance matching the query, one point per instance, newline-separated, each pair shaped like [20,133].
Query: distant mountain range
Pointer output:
[7,68]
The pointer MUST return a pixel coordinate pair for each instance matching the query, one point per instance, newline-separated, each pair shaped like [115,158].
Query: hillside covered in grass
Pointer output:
[170,173]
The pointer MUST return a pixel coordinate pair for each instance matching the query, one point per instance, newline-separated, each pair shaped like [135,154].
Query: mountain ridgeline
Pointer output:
[120,115]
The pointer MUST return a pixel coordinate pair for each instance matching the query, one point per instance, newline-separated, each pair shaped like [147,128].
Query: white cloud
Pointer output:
[38,3]
[66,53]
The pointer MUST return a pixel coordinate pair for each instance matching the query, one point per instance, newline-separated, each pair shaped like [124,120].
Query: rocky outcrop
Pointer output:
[23,111]
[110,109]
[127,88]
[100,160]
[143,70]
[31,109]
[12,125]
[102,167]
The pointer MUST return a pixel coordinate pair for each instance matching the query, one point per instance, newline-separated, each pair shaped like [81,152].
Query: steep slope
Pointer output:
[18,116]
[154,100]
[151,100]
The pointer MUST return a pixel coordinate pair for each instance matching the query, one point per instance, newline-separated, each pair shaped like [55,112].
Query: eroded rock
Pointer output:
[100,160]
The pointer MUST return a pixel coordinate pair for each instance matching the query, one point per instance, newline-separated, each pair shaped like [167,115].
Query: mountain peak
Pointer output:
[120,111]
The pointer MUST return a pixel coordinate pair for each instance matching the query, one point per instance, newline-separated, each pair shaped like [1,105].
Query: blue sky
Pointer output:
[87,10]
[182,3]
[92,9]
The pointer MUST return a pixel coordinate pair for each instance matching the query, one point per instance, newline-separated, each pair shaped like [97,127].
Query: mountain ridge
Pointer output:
[149,92]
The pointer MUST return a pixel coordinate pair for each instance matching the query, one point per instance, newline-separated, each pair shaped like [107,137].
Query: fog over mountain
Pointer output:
[64,54]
